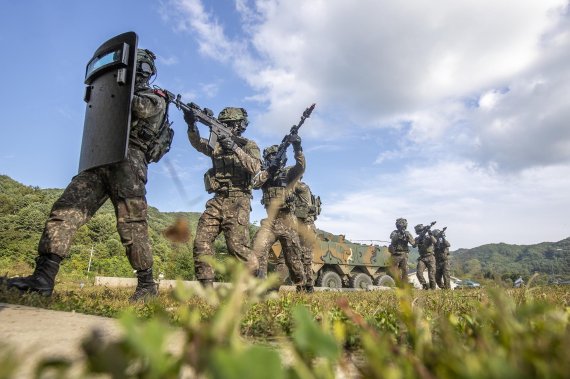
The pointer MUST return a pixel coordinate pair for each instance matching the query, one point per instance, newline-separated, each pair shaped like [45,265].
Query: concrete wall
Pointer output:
[111,281]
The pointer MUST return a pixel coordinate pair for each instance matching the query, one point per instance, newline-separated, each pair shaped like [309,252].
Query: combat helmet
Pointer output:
[418,228]
[436,233]
[401,223]
[145,63]
[233,114]
[270,150]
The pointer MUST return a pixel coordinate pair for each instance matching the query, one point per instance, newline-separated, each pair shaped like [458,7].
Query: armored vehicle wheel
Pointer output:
[385,281]
[360,280]
[330,279]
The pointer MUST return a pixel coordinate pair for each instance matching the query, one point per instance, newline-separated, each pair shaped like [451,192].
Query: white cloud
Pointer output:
[384,62]
[168,61]
[482,85]
[478,205]
[210,89]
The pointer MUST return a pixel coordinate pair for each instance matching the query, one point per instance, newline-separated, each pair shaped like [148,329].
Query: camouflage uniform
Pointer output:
[281,223]
[399,249]
[306,213]
[228,211]
[442,275]
[425,245]
[124,184]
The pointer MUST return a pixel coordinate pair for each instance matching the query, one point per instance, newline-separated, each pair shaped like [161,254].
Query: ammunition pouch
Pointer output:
[210,183]
[316,205]
[277,194]
[302,212]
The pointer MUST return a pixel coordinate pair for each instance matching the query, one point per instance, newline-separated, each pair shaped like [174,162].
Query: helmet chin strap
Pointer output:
[141,81]
[237,128]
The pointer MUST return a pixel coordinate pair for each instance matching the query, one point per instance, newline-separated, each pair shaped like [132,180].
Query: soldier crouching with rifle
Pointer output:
[425,242]
[277,183]
[122,182]
[235,160]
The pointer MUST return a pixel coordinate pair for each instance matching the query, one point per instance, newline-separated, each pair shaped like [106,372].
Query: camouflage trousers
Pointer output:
[229,214]
[400,266]
[426,261]
[124,184]
[283,229]
[308,239]
[442,275]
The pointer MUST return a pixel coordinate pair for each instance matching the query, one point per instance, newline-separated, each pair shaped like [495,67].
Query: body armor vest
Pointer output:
[401,243]
[228,173]
[441,249]
[275,191]
[425,247]
[152,135]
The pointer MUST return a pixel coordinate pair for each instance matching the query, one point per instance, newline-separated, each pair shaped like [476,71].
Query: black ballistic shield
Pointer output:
[110,80]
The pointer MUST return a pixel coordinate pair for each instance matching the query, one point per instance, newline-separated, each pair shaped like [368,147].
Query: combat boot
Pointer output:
[146,287]
[41,281]
[309,288]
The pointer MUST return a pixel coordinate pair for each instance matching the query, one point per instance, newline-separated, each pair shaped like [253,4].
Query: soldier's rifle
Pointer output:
[427,228]
[204,116]
[278,160]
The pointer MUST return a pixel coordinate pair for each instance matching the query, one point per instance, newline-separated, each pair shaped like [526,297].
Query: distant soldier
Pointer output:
[306,208]
[400,238]
[122,182]
[442,259]
[281,223]
[425,242]
[230,181]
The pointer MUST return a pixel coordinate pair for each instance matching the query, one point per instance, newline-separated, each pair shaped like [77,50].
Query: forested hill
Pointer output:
[24,210]
[552,259]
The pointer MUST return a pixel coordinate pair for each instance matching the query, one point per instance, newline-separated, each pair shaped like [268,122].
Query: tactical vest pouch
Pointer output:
[315,208]
[301,212]
[160,144]
[210,183]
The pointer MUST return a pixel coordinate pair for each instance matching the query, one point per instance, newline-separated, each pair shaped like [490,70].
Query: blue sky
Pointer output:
[449,112]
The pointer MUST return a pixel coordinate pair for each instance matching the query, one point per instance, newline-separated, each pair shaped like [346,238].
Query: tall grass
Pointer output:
[241,332]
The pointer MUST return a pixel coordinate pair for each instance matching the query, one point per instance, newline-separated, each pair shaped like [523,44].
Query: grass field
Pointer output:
[522,333]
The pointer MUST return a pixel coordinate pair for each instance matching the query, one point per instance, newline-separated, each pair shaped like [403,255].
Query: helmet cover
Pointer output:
[233,114]
[145,63]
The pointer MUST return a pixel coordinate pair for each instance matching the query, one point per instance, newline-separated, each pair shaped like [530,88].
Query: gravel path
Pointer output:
[37,333]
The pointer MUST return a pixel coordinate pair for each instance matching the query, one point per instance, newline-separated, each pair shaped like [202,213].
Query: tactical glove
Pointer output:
[227,143]
[295,140]
[189,118]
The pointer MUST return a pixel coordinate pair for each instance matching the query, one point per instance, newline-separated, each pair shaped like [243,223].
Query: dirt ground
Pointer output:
[36,333]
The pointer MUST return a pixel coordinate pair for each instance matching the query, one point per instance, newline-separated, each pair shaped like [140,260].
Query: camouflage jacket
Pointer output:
[148,111]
